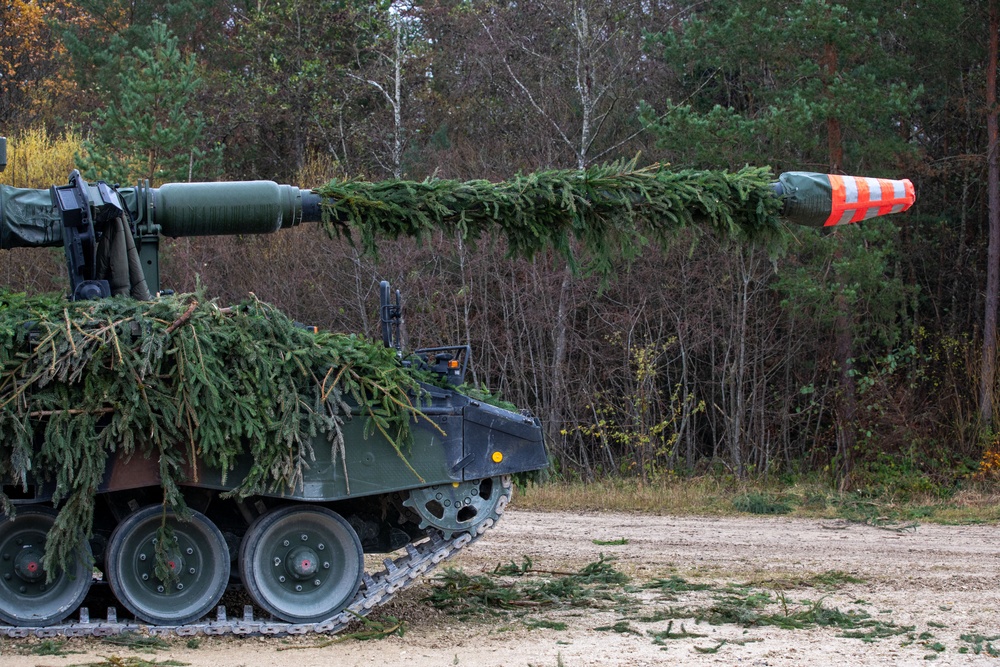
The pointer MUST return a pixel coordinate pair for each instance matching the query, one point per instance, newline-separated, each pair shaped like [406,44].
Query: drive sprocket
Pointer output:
[461,507]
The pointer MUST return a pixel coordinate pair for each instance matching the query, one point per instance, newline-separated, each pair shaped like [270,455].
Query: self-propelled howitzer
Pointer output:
[297,550]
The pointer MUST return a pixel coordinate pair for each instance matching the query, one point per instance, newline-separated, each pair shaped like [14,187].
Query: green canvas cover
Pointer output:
[808,197]
[28,219]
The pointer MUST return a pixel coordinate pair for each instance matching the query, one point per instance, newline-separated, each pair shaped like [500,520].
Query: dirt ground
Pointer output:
[942,580]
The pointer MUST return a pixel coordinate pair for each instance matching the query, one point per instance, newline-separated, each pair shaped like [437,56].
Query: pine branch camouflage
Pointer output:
[611,210]
[185,382]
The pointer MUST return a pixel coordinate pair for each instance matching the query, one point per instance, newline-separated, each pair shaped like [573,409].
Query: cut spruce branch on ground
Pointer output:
[611,210]
[181,381]
[525,592]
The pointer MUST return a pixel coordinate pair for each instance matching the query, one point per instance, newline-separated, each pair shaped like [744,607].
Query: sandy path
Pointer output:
[940,579]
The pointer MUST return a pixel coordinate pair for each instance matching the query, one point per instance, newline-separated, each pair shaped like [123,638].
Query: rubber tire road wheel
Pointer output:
[27,597]
[303,564]
[199,561]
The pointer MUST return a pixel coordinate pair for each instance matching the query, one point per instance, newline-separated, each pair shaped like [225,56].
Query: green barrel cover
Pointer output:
[808,197]
[28,219]
[237,207]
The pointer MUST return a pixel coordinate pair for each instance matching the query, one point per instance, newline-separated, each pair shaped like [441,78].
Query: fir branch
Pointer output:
[180,321]
[102,377]
[611,211]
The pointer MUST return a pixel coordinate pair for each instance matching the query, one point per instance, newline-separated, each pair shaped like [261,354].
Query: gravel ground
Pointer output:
[942,580]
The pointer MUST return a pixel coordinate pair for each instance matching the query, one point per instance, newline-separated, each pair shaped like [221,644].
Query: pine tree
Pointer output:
[812,84]
[147,130]
[805,85]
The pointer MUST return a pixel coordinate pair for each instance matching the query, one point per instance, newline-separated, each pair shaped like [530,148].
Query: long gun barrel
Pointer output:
[30,219]
[111,235]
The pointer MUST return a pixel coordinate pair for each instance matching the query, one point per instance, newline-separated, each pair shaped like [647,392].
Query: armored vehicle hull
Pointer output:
[298,553]
[295,545]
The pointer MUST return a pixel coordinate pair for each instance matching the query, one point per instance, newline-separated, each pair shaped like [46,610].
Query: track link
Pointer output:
[397,574]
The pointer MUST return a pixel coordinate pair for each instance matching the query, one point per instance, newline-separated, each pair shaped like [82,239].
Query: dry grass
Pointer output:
[980,503]
[698,495]
[318,169]
[713,496]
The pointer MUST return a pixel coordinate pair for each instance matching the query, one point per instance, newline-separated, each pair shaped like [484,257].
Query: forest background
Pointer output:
[864,357]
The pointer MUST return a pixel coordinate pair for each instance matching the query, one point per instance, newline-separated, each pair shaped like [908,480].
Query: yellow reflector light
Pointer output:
[453,364]
[497,457]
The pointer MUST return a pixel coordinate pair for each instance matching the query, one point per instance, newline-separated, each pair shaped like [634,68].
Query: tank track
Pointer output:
[421,557]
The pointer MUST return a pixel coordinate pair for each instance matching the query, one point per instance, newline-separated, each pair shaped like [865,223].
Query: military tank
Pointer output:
[297,551]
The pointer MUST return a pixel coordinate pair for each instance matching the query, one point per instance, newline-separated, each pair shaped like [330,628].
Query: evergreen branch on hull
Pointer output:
[179,380]
[612,210]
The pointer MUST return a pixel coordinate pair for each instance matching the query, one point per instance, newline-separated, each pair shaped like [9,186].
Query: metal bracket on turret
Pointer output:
[86,210]
[79,238]
[147,234]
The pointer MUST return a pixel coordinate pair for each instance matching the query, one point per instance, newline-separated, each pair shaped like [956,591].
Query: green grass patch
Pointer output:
[519,591]
[611,543]
[510,588]
[137,642]
[371,629]
[710,649]
[657,616]
[757,502]
[51,647]
[757,609]
[674,584]
[621,627]
[830,580]
[833,579]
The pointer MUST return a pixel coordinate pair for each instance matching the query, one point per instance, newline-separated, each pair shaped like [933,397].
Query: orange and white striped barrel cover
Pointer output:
[827,200]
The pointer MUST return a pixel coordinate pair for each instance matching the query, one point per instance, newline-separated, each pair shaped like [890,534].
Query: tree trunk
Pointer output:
[847,399]
[988,371]
[557,411]
[833,134]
